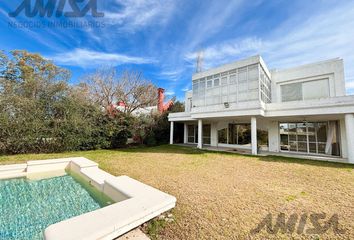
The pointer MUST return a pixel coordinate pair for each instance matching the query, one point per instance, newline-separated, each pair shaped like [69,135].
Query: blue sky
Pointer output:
[161,37]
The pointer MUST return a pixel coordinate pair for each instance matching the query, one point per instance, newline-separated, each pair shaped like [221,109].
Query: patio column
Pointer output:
[200,134]
[171,132]
[254,135]
[185,136]
[349,126]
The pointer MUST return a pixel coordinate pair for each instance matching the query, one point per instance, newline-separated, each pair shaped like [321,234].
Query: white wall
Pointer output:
[331,69]
[187,98]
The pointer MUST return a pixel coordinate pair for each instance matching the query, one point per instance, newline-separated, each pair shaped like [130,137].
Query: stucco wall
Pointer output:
[331,69]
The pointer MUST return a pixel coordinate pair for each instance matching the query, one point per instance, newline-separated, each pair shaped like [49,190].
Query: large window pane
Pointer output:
[293,146]
[242,75]
[233,78]
[253,73]
[292,132]
[311,127]
[302,147]
[321,89]
[262,138]
[301,132]
[232,134]
[206,134]
[244,134]
[313,147]
[291,92]
[191,133]
[284,137]
[224,81]
[222,136]
[312,137]
[322,132]
[322,148]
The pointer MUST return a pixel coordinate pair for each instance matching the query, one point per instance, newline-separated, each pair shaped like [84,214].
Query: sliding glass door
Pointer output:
[310,137]
[193,134]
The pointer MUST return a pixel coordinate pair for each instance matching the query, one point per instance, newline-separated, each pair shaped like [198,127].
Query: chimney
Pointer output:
[121,104]
[161,99]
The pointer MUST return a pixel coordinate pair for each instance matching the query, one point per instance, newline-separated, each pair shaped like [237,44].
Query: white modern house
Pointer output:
[243,105]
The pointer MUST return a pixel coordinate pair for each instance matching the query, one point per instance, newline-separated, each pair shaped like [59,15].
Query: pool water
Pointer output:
[28,207]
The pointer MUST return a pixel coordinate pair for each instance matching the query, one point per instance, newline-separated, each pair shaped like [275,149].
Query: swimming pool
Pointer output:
[30,206]
[40,200]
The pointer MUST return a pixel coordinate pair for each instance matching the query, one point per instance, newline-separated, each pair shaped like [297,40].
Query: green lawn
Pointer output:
[225,196]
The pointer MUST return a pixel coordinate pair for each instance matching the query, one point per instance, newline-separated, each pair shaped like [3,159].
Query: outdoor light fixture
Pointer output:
[226,104]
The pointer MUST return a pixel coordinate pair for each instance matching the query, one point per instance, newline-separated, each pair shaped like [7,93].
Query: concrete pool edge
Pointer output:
[136,202]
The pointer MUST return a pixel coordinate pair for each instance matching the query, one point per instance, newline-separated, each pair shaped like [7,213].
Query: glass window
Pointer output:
[222,136]
[233,79]
[233,71]
[253,85]
[313,147]
[262,137]
[302,147]
[242,75]
[291,92]
[284,136]
[206,133]
[232,134]
[292,132]
[224,81]
[240,134]
[224,91]
[244,134]
[310,137]
[322,132]
[191,133]
[321,88]
[216,82]
[311,128]
[301,132]
[209,84]
[202,85]
[253,73]
[305,90]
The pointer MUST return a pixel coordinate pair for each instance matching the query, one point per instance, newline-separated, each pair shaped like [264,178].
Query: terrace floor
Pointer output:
[266,153]
[225,196]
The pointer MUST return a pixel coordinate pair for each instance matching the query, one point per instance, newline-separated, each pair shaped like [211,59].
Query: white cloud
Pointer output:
[170,75]
[169,93]
[227,51]
[324,35]
[212,18]
[91,59]
[134,14]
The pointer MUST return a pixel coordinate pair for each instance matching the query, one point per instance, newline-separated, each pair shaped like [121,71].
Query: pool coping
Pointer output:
[136,203]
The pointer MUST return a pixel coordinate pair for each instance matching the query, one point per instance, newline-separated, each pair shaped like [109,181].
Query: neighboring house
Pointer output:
[243,105]
[160,108]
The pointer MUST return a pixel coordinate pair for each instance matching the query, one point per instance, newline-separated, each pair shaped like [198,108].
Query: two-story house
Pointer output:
[242,105]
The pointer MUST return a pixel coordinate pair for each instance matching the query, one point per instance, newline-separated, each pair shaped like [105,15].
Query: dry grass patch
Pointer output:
[225,196]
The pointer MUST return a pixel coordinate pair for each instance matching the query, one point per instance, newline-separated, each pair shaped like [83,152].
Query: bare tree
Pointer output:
[135,91]
[103,85]
[130,87]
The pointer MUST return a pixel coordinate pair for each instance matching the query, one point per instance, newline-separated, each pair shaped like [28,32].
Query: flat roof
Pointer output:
[231,66]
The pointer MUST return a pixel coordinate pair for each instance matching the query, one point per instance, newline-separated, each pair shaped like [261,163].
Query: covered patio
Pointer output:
[310,137]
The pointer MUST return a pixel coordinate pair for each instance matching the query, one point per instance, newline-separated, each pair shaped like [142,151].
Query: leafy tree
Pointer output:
[41,112]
